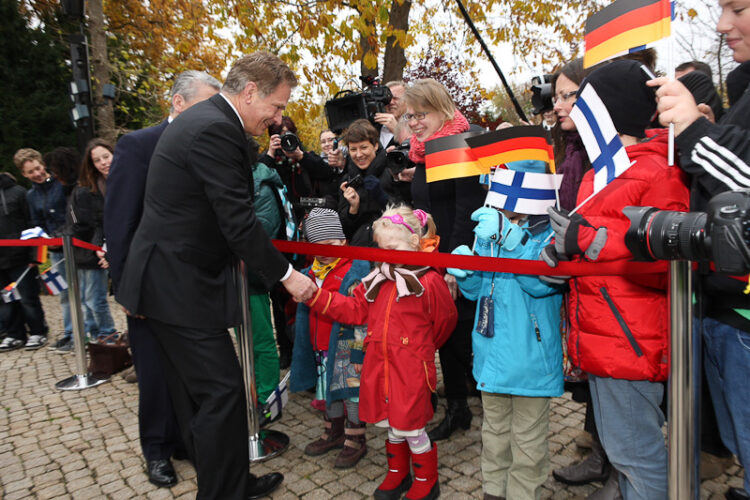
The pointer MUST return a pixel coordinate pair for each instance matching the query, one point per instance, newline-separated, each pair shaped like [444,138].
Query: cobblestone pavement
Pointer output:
[84,444]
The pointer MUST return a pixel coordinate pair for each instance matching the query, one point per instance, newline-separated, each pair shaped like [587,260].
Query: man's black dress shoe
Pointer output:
[263,485]
[737,494]
[161,473]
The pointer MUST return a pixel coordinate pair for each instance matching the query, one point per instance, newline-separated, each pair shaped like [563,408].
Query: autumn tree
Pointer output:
[33,82]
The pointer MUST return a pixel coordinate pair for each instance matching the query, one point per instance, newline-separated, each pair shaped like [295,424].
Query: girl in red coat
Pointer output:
[409,314]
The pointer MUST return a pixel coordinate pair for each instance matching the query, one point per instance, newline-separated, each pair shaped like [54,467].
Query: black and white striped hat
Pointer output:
[323,224]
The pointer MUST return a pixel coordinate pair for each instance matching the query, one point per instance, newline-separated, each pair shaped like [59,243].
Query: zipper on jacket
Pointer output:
[385,343]
[621,321]
[536,328]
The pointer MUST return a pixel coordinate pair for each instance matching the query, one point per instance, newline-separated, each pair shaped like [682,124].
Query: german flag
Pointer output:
[450,158]
[625,26]
[506,145]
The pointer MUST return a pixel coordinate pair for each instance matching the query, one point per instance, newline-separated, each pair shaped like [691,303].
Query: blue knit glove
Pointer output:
[489,226]
[372,185]
[460,273]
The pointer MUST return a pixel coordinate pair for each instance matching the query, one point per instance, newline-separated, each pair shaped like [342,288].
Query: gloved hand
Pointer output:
[574,235]
[489,226]
[550,256]
[372,185]
[460,273]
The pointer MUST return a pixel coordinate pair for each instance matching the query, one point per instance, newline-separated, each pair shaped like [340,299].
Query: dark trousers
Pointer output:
[455,354]
[16,316]
[157,423]
[205,381]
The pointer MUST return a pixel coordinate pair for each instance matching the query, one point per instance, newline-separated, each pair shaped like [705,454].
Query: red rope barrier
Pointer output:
[47,242]
[490,264]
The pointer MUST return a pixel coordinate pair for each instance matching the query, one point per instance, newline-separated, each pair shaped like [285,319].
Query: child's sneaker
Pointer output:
[10,344]
[35,342]
[64,346]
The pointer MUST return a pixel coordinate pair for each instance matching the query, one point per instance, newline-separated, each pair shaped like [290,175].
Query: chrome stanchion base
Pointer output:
[78,382]
[267,444]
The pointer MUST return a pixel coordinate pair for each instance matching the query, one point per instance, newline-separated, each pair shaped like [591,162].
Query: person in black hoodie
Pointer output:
[17,315]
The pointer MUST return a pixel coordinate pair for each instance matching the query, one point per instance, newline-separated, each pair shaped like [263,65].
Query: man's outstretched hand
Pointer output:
[301,287]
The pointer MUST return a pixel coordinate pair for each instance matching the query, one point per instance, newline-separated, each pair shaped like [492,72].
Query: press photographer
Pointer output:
[299,169]
[541,99]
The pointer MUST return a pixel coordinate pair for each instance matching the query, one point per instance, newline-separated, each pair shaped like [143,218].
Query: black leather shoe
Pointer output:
[737,494]
[263,485]
[161,473]
[457,416]
[594,468]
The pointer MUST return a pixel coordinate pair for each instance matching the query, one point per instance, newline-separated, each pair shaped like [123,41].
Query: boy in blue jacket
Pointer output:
[517,350]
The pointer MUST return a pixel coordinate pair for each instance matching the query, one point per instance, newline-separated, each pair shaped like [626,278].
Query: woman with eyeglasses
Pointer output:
[431,114]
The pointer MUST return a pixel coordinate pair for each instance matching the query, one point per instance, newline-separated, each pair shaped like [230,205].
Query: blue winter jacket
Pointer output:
[47,204]
[524,357]
[304,372]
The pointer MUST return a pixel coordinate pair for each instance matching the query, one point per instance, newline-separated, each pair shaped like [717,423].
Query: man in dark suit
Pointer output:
[197,219]
[126,187]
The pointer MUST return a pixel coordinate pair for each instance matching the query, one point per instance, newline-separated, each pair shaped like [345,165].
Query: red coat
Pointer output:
[619,325]
[398,373]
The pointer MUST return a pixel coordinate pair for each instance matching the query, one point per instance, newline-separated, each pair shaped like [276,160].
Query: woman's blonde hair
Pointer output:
[429,94]
[409,217]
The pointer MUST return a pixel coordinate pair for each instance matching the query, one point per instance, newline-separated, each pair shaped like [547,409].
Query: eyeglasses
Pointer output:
[407,117]
[564,97]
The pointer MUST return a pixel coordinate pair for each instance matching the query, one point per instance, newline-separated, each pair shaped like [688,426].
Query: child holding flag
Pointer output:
[516,341]
[619,325]
[328,354]
[409,313]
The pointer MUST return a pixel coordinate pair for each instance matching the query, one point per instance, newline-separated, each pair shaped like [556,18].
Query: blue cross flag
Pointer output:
[527,193]
[603,145]
[53,281]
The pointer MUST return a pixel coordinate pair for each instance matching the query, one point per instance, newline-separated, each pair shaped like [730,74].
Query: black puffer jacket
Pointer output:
[14,218]
[84,220]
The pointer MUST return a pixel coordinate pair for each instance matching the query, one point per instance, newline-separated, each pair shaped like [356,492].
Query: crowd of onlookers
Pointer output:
[366,341]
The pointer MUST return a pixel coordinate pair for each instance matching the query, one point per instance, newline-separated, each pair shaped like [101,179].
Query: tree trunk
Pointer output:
[395,59]
[368,42]
[104,111]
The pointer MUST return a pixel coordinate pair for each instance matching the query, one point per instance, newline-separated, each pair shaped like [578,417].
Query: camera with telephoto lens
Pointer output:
[720,235]
[398,160]
[348,106]
[289,142]
[541,94]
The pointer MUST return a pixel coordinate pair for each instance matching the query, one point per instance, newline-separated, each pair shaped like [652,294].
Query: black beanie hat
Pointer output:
[621,85]
[700,85]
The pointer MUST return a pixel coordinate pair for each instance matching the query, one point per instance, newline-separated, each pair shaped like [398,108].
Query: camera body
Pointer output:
[289,142]
[541,94]
[309,202]
[721,234]
[355,182]
[398,160]
[348,106]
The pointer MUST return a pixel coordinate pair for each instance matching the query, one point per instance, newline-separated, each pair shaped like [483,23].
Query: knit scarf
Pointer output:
[457,125]
[406,278]
[572,166]
[321,270]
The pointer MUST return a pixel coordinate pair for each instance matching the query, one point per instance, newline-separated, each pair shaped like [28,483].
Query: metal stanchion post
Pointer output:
[683,480]
[264,443]
[82,379]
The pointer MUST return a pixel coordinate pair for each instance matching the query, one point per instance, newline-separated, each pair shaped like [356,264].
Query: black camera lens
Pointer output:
[289,142]
[665,235]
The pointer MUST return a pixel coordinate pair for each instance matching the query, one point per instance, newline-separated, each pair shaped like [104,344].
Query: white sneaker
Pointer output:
[35,342]
[9,344]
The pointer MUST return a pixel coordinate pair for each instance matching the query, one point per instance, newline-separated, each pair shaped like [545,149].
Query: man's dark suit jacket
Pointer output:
[197,214]
[123,205]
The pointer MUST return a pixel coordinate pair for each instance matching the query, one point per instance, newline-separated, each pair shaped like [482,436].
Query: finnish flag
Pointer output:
[10,293]
[603,144]
[277,400]
[53,281]
[523,192]
[34,232]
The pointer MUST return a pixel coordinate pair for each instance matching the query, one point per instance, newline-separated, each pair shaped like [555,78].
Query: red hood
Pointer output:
[656,142]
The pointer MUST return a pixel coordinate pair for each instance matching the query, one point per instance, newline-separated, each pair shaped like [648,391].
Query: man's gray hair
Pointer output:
[266,70]
[188,83]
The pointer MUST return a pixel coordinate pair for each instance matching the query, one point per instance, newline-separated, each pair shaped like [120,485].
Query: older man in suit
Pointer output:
[126,187]
[198,217]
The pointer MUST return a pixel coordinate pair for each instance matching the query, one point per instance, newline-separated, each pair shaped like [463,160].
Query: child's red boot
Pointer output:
[398,479]
[426,485]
